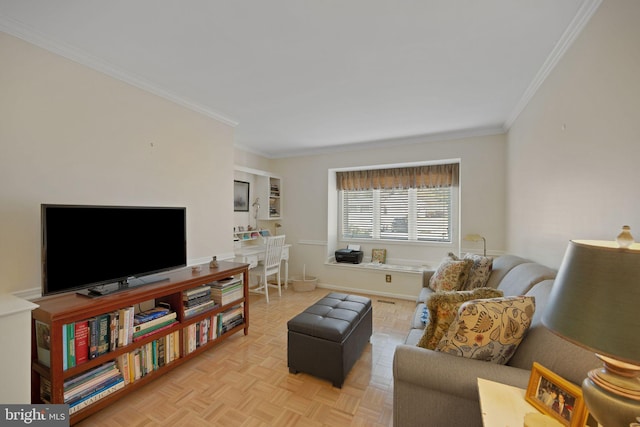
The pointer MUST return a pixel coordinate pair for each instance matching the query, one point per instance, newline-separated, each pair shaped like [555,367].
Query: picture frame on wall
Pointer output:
[554,396]
[240,196]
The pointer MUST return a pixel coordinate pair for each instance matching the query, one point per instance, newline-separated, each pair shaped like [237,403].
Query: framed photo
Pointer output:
[379,255]
[556,397]
[240,196]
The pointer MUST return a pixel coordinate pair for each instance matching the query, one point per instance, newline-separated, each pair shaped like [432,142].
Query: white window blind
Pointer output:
[422,214]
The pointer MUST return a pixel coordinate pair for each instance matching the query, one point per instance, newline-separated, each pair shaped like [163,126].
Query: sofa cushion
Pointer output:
[553,352]
[489,329]
[501,266]
[443,307]
[523,277]
[450,275]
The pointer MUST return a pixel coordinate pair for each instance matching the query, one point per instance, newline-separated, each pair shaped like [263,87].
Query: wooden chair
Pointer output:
[270,266]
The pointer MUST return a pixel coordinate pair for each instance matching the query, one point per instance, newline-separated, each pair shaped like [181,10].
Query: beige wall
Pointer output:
[573,153]
[306,204]
[69,134]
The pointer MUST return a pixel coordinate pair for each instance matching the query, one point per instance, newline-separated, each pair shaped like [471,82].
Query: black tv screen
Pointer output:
[87,246]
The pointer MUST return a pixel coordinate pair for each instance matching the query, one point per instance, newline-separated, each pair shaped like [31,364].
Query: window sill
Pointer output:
[410,269]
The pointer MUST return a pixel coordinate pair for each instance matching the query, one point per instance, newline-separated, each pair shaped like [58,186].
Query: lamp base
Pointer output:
[612,393]
[610,410]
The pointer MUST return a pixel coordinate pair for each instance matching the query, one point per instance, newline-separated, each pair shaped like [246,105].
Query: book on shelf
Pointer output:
[192,311]
[152,323]
[145,316]
[93,337]
[82,341]
[69,344]
[103,324]
[228,295]
[149,357]
[223,283]
[197,301]
[96,396]
[96,378]
[125,324]
[232,324]
[87,375]
[113,330]
[197,291]
[98,383]
[154,330]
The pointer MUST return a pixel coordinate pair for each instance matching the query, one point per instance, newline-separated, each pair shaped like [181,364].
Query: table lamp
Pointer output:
[477,238]
[595,303]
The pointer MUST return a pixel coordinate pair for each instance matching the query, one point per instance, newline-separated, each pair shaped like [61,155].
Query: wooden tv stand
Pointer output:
[56,311]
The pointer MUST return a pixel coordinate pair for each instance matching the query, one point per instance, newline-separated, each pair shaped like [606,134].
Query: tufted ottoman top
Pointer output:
[332,318]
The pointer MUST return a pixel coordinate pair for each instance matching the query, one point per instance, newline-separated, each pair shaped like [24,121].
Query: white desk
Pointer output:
[251,254]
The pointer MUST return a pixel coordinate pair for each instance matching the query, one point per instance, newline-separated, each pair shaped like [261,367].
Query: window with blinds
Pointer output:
[414,214]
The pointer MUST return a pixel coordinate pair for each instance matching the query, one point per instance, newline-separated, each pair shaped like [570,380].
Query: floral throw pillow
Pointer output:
[450,275]
[443,308]
[479,272]
[489,330]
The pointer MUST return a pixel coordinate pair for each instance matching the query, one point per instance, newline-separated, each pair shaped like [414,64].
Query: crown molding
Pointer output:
[585,12]
[21,31]
[390,142]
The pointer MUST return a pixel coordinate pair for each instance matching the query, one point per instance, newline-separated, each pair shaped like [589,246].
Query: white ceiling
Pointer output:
[302,76]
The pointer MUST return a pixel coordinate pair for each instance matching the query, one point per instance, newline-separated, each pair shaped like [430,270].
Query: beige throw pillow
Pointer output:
[450,275]
[443,308]
[479,271]
[490,329]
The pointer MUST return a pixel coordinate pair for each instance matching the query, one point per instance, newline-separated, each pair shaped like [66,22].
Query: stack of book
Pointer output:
[197,300]
[227,290]
[92,337]
[230,318]
[152,321]
[151,356]
[199,333]
[91,386]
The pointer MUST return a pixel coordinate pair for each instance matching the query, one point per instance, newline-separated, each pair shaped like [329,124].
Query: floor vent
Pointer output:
[386,302]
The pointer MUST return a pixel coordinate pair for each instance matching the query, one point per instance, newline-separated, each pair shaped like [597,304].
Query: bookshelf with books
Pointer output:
[86,335]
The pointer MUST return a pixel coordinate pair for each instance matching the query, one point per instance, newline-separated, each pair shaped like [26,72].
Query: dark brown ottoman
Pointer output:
[327,338]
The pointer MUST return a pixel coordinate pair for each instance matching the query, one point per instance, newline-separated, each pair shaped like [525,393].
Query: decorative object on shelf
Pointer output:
[553,395]
[594,303]
[256,207]
[625,239]
[240,196]
[477,238]
[378,256]
[196,268]
[214,262]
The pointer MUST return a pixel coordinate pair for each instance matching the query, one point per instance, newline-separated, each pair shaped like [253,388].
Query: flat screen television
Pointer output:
[102,249]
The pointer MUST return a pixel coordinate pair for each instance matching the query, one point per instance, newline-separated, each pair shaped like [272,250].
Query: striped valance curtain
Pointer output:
[398,178]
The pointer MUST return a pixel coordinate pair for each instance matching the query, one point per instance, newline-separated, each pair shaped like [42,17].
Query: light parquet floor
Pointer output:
[244,381]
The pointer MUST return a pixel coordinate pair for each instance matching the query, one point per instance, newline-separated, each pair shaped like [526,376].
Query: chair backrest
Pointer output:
[273,254]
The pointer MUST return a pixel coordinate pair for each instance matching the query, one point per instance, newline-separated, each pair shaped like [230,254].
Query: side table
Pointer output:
[502,405]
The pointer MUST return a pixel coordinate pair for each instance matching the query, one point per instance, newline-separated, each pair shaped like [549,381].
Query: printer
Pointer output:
[351,256]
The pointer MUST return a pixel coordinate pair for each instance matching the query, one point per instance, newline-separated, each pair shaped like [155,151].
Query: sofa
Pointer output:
[432,388]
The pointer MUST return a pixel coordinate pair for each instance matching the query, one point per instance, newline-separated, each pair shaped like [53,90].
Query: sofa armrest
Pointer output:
[453,375]
[426,276]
